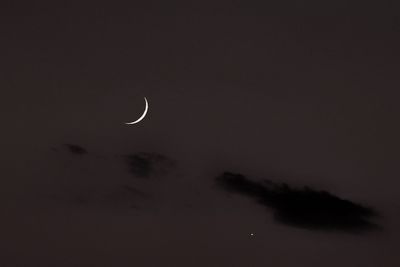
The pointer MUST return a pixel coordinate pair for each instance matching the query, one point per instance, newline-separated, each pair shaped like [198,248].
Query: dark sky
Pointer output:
[271,138]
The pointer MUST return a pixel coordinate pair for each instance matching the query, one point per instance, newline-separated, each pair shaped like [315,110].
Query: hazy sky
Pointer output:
[302,93]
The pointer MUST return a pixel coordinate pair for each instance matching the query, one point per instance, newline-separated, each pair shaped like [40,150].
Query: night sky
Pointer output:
[272,136]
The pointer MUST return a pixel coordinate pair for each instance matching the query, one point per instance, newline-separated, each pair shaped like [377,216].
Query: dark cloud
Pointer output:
[302,207]
[75,149]
[146,164]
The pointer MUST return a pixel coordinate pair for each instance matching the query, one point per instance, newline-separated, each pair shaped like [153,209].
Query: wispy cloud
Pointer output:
[75,149]
[146,164]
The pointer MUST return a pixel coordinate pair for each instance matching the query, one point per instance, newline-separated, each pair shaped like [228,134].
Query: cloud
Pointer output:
[302,207]
[75,149]
[146,164]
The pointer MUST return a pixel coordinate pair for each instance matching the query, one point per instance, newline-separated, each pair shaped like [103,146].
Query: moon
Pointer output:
[143,115]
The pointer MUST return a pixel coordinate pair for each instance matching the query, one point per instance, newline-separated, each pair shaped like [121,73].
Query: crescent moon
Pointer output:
[143,115]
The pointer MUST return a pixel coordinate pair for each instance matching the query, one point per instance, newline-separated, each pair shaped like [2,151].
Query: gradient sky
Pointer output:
[297,92]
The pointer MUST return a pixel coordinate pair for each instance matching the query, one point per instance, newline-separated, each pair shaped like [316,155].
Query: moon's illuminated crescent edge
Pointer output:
[143,115]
